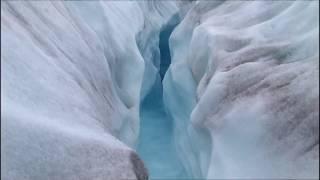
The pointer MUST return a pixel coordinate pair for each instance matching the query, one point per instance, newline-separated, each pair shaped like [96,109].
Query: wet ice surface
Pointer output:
[156,146]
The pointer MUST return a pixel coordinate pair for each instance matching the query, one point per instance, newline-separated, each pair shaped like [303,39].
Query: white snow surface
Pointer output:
[71,84]
[243,89]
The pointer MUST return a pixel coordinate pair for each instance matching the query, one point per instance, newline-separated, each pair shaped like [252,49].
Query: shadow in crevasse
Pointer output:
[156,145]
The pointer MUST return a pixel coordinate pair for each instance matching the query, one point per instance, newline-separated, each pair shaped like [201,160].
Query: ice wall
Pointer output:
[243,89]
[72,79]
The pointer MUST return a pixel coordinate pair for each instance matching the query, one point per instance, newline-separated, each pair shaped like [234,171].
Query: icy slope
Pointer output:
[72,77]
[243,89]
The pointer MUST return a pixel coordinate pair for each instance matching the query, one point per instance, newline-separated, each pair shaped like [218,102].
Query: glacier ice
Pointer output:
[72,79]
[243,89]
[82,94]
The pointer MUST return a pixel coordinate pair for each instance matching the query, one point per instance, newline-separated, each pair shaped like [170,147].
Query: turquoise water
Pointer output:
[156,146]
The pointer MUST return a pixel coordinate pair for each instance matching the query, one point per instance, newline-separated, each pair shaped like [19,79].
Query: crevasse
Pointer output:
[156,146]
[89,88]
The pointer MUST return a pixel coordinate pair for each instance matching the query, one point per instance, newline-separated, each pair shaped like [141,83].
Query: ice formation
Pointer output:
[81,89]
[243,89]
[72,75]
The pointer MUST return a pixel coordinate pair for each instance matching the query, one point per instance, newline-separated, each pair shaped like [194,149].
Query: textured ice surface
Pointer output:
[243,89]
[72,77]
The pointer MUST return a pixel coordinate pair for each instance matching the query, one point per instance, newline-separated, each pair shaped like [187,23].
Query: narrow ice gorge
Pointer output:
[159,89]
